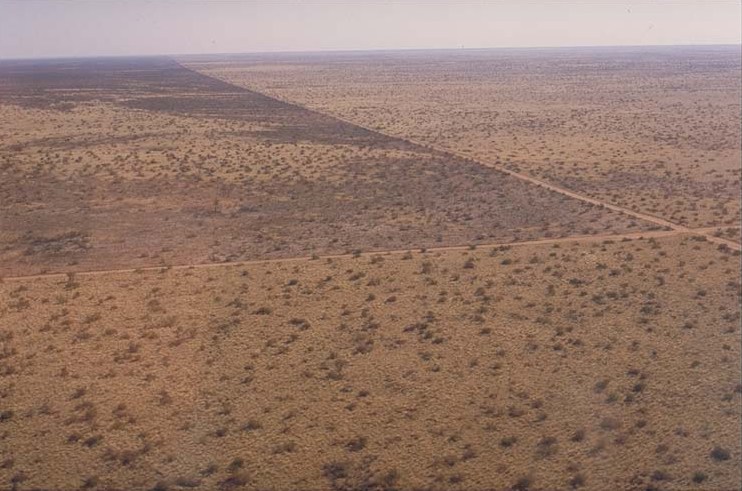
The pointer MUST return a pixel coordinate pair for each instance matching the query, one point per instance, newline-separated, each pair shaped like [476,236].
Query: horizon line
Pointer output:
[368,50]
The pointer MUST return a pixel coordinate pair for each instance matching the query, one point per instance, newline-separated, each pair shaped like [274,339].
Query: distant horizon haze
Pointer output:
[372,51]
[59,29]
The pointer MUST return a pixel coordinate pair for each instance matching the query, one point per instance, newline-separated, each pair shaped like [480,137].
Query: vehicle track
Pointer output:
[584,238]
[518,175]
[675,229]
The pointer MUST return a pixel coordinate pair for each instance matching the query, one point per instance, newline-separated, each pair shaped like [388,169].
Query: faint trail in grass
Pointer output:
[706,232]
[583,239]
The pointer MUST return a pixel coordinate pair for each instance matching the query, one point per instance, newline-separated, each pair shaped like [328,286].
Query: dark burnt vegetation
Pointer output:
[195,168]
[531,366]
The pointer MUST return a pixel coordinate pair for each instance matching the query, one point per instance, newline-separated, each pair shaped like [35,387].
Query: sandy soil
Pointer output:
[609,365]
[218,318]
[159,165]
[652,129]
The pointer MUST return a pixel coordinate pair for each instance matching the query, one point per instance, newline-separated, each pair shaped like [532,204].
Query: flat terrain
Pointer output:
[469,270]
[113,163]
[652,129]
[610,365]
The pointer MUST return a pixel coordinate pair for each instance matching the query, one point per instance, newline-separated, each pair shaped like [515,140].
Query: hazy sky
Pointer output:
[51,28]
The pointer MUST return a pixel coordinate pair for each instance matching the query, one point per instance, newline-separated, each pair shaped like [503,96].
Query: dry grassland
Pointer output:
[543,360]
[613,365]
[122,163]
[652,129]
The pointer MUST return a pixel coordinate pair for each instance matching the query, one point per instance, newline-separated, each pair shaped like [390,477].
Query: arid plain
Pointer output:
[485,269]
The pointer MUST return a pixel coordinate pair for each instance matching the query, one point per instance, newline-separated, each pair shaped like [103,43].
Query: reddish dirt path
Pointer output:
[675,229]
[584,238]
[706,232]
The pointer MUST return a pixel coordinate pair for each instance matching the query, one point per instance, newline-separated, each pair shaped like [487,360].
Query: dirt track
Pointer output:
[538,182]
[585,238]
[674,228]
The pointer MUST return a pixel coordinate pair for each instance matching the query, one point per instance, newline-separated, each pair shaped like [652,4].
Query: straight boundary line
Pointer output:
[557,240]
[675,229]
[518,175]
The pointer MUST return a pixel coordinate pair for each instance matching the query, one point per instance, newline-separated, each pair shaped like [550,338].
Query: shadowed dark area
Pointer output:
[134,193]
[161,84]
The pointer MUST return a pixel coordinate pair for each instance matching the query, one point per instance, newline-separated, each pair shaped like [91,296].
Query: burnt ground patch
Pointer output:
[371,205]
[81,199]
[161,84]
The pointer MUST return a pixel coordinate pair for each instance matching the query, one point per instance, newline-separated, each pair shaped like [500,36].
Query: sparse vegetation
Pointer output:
[365,354]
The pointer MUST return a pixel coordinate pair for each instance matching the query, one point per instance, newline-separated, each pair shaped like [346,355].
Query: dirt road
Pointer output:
[532,180]
[584,238]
